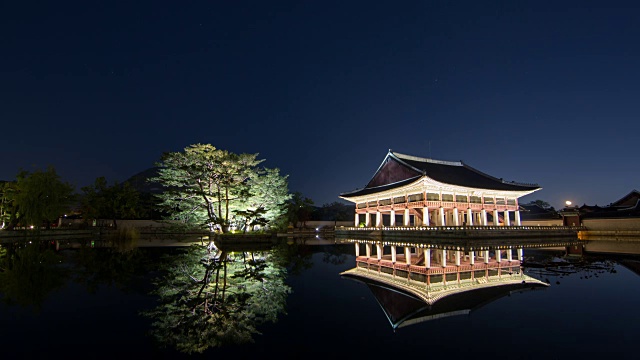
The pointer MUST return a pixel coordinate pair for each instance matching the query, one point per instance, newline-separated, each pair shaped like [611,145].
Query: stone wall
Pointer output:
[552,222]
[612,224]
[318,224]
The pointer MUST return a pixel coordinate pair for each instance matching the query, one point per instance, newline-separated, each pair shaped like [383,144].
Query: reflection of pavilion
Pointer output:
[429,272]
[403,309]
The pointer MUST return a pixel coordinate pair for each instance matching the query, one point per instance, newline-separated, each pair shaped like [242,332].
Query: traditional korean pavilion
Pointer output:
[414,191]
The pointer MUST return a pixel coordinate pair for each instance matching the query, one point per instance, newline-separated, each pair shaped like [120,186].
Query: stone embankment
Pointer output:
[610,235]
[457,232]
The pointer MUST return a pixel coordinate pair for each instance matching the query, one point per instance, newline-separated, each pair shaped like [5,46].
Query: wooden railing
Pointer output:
[434,204]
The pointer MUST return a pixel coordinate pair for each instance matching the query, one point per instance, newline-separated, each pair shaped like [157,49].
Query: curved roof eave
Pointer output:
[373,190]
[415,179]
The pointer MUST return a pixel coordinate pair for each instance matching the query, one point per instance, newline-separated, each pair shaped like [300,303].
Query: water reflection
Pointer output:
[212,297]
[29,272]
[419,280]
[585,295]
[99,264]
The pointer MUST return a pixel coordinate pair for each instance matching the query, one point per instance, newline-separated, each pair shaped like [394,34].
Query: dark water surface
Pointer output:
[590,310]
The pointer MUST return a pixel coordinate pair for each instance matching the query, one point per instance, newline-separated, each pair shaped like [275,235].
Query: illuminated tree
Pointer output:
[207,186]
[250,218]
[267,201]
[7,205]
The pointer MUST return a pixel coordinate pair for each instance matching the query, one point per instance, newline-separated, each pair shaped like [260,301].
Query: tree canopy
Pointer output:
[218,189]
[299,209]
[117,201]
[7,205]
[543,204]
[39,198]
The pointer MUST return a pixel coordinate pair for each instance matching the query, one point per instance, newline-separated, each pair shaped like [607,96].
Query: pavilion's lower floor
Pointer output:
[440,267]
[434,273]
[440,216]
[429,258]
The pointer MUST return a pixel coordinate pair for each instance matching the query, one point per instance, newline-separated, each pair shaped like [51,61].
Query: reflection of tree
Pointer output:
[109,266]
[211,298]
[295,256]
[28,273]
[336,255]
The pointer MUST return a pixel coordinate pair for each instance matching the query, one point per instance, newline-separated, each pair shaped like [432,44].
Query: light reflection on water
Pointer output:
[588,309]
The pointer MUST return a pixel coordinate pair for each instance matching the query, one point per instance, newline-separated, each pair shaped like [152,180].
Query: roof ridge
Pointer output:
[497,179]
[622,198]
[417,158]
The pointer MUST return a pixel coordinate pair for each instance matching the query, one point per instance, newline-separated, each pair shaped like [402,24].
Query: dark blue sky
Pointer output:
[532,91]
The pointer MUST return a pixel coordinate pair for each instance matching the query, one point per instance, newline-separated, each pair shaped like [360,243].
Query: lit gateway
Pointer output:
[413,191]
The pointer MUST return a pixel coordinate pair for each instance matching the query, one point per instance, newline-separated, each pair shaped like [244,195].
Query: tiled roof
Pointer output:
[614,212]
[454,173]
[459,173]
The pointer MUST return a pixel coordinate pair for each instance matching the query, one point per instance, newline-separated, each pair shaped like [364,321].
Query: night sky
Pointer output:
[543,92]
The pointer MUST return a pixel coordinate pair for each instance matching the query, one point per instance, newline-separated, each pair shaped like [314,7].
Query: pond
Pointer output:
[291,301]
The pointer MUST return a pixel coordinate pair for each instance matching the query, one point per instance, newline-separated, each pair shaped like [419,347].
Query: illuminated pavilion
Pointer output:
[414,191]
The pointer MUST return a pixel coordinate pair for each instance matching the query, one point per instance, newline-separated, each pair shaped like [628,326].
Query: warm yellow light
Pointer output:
[568,203]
